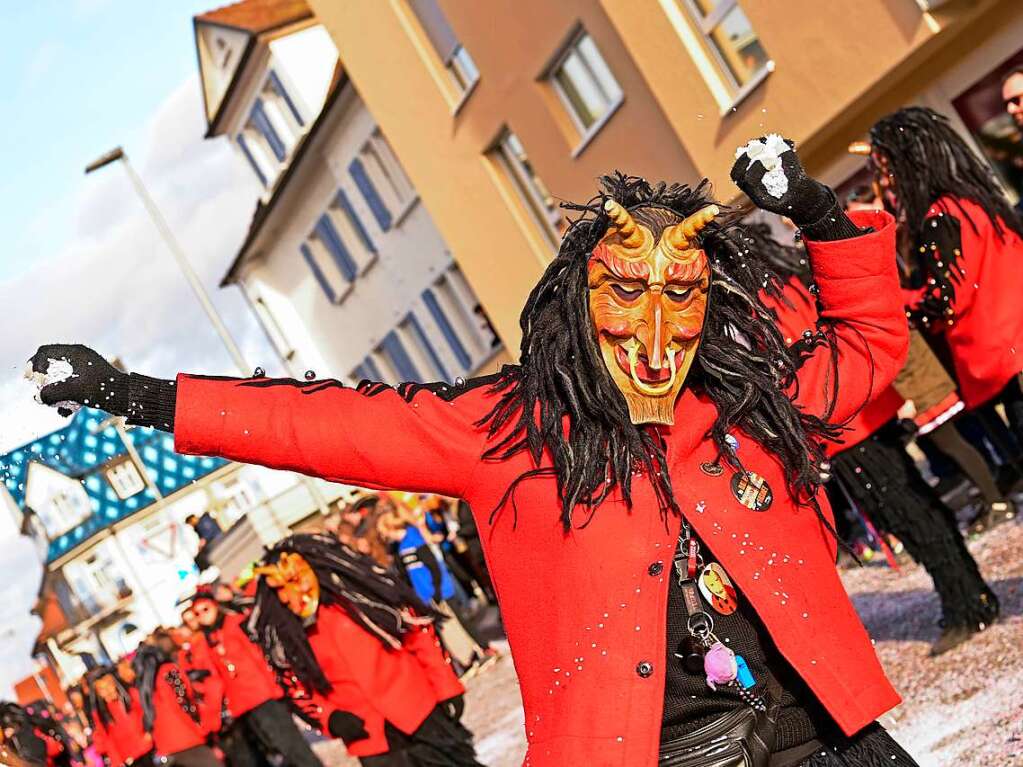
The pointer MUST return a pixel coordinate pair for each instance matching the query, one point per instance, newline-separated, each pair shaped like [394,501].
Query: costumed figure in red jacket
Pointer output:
[357,651]
[178,719]
[963,245]
[657,446]
[877,476]
[31,735]
[260,722]
[118,732]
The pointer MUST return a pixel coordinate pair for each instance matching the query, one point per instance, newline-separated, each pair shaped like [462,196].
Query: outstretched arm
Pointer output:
[379,437]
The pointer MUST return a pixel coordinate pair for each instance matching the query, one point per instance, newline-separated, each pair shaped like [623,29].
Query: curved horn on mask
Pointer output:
[623,223]
[681,235]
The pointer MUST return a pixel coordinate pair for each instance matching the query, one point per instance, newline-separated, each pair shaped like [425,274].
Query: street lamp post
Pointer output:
[172,245]
[118,154]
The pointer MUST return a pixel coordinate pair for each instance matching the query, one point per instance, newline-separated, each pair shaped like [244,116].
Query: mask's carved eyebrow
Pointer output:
[690,272]
[620,268]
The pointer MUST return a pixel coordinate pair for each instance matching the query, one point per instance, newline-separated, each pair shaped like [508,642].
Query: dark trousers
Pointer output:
[870,746]
[884,483]
[197,756]
[440,741]
[268,728]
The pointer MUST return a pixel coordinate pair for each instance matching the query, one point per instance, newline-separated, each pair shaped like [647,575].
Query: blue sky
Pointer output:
[82,262]
[83,76]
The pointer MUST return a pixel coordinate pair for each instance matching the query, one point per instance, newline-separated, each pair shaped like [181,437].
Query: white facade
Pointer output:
[345,269]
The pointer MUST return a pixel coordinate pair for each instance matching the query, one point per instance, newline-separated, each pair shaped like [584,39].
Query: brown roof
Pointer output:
[257,16]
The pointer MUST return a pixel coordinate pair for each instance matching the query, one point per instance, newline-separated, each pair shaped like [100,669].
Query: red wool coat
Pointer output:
[585,611]
[173,729]
[229,654]
[985,336]
[376,684]
[124,740]
[798,313]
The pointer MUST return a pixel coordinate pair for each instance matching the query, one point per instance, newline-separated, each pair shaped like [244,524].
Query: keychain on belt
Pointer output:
[701,650]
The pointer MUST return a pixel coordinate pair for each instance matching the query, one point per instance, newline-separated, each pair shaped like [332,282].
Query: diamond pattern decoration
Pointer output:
[81,450]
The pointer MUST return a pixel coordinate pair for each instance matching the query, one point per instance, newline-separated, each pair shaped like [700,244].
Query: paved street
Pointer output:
[964,708]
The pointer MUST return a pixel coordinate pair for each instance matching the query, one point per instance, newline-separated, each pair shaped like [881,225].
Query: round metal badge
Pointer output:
[717,588]
[752,491]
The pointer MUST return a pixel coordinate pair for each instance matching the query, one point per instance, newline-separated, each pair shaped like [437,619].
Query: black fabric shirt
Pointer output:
[688,701]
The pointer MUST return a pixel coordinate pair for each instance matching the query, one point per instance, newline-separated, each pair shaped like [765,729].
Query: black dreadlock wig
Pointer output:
[148,663]
[375,598]
[786,261]
[742,364]
[928,159]
[97,705]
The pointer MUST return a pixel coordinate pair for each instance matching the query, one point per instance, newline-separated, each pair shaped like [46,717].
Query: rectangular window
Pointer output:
[583,80]
[398,357]
[276,87]
[125,479]
[452,54]
[96,580]
[330,238]
[353,232]
[421,349]
[511,158]
[259,120]
[321,278]
[65,508]
[732,41]
[370,194]
[447,329]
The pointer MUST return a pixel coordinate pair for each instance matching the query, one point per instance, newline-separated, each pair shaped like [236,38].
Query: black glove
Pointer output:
[347,726]
[95,382]
[811,205]
[454,707]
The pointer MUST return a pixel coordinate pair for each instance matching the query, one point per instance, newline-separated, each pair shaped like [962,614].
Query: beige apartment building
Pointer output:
[500,109]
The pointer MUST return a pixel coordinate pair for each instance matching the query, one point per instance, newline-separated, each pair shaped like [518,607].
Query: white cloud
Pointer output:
[18,596]
[115,287]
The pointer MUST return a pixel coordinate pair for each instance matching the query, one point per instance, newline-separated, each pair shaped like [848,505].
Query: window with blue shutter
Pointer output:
[437,312]
[399,358]
[423,340]
[331,239]
[321,278]
[346,205]
[370,193]
[261,123]
[252,160]
[367,371]
[278,87]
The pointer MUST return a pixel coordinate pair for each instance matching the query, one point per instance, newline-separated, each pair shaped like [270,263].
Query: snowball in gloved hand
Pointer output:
[57,370]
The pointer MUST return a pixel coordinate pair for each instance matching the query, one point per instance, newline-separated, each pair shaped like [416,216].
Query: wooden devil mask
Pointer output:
[648,299]
[296,583]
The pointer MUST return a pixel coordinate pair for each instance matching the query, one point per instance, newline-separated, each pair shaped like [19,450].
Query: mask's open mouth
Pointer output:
[650,381]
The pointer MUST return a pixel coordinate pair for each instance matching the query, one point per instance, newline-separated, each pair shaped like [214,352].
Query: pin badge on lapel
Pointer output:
[717,589]
[752,490]
[711,468]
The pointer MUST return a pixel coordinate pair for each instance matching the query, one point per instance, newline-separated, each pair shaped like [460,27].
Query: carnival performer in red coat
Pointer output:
[656,429]
[178,719]
[118,732]
[872,468]
[963,244]
[359,655]
[261,721]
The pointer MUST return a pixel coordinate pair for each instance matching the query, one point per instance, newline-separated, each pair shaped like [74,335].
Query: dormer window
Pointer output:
[273,129]
[125,479]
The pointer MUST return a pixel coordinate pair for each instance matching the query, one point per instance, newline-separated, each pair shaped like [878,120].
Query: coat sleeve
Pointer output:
[861,317]
[374,438]
[425,646]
